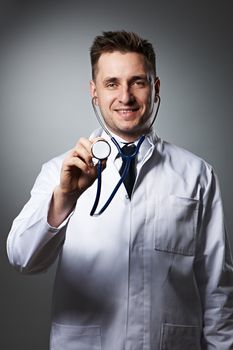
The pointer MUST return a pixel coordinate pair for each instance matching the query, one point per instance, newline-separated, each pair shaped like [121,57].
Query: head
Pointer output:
[121,41]
[124,83]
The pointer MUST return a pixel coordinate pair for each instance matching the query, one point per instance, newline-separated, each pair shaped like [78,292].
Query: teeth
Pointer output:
[126,110]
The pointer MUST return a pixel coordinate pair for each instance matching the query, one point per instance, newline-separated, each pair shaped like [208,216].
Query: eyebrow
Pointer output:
[139,77]
[133,78]
[111,80]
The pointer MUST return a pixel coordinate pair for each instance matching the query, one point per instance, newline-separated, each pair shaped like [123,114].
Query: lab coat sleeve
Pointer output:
[32,244]
[214,272]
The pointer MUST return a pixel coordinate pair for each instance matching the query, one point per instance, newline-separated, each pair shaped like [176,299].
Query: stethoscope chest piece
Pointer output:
[101,149]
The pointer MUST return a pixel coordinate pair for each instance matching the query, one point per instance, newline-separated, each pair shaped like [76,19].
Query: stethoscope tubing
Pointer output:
[126,160]
[99,183]
[107,131]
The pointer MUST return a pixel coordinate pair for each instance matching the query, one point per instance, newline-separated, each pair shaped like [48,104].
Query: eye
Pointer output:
[111,85]
[139,83]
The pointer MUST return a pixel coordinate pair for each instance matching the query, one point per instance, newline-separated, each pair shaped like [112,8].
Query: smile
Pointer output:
[126,111]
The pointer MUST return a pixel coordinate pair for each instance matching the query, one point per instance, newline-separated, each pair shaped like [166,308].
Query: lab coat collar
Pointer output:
[150,140]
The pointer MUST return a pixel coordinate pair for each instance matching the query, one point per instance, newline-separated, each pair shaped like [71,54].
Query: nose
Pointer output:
[126,96]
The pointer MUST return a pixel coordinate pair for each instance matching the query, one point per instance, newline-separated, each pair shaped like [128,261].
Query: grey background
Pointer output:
[45,107]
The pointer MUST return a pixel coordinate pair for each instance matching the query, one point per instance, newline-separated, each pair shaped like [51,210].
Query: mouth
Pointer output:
[133,109]
[127,112]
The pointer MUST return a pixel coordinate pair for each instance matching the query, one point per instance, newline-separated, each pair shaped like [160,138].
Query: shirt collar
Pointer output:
[150,140]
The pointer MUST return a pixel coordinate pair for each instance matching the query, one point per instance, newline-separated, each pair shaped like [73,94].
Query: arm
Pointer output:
[38,233]
[214,273]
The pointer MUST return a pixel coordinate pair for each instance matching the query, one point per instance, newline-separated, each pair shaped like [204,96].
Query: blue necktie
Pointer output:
[128,150]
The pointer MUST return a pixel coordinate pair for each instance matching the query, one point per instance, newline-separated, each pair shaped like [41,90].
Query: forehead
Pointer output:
[119,64]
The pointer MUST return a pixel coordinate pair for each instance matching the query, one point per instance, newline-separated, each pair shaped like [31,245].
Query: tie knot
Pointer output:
[128,149]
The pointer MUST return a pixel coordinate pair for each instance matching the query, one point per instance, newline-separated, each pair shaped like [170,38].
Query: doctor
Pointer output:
[154,270]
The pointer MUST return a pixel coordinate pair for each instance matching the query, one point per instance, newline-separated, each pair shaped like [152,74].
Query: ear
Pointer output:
[157,88]
[93,92]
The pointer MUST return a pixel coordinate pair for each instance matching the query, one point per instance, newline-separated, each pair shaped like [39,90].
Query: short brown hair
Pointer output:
[124,42]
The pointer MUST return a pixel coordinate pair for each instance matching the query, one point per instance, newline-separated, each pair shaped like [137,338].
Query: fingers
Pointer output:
[73,160]
[82,150]
[81,157]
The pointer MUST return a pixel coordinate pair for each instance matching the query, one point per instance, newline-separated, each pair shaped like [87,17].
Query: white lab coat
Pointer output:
[151,273]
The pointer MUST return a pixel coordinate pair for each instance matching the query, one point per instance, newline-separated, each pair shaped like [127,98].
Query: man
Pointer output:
[154,270]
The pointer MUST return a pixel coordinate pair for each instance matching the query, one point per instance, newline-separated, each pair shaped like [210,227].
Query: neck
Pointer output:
[128,138]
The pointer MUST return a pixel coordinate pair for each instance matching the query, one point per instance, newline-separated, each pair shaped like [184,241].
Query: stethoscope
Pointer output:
[101,150]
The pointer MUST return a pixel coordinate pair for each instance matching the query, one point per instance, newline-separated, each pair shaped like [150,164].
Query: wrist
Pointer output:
[62,204]
[63,198]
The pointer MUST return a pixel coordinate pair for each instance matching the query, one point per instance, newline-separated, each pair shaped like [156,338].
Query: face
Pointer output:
[124,89]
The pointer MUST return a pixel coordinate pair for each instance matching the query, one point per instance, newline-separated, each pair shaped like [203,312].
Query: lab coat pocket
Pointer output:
[177,337]
[176,225]
[70,337]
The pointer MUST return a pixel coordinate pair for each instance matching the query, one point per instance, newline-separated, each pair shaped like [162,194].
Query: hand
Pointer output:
[77,174]
[78,171]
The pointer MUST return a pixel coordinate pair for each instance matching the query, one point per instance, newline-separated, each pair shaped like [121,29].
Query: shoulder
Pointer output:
[183,161]
[174,154]
[180,154]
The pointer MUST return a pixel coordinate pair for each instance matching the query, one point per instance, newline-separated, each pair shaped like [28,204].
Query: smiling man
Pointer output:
[154,270]
[124,87]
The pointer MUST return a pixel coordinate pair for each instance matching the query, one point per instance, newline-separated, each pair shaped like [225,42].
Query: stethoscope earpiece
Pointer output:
[95,100]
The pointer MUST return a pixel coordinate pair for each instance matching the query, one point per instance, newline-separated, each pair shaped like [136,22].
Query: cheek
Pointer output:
[105,102]
[149,99]
[144,96]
